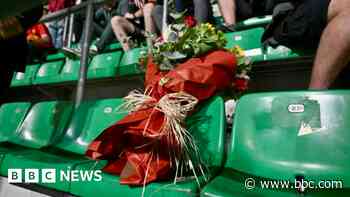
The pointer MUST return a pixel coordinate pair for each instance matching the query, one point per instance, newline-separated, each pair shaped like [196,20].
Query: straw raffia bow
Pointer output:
[183,151]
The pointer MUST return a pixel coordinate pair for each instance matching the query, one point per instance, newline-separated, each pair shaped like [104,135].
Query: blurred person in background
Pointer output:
[13,45]
[39,41]
[234,11]
[102,26]
[322,25]
[200,9]
[56,27]
[130,26]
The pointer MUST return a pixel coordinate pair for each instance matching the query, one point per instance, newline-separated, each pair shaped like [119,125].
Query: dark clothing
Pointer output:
[201,9]
[244,10]
[5,80]
[101,20]
[102,26]
[13,51]
[254,8]
[106,38]
[301,26]
[107,35]
[30,17]
[319,18]
[122,8]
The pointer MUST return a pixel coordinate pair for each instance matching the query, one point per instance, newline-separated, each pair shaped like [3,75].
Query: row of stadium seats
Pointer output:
[59,69]
[50,135]
[275,136]
[114,63]
[250,41]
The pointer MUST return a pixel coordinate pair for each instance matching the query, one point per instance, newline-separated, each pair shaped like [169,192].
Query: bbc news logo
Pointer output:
[51,176]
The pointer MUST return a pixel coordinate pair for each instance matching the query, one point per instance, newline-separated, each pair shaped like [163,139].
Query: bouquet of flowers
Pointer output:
[188,65]
[181,42]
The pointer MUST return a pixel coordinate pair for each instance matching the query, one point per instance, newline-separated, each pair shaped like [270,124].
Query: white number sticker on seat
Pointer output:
[108,110]
[296,108]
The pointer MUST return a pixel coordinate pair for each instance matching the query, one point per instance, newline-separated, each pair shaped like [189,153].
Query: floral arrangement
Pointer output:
[185,40]
[244,66]
[187,65]
[182,41]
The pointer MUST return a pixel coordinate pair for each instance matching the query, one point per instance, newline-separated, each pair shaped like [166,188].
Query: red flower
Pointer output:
[241,84]
[190,21]
[160,39]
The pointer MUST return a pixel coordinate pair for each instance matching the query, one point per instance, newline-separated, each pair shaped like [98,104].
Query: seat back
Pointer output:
[70,70]
[88,122]
[11,117]
[249,41]
[113,47]
[254,22]
[130,63]
[55,57]
[131,57]
[25,79]
[289,134]
[207,126]
[44,124]
[48,72]
[284,53]
[104,65]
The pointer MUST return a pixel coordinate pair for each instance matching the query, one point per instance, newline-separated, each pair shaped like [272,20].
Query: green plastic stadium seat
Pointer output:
[249,41]
[48,72]
[248,23]
[285,135]
[44,123]
[88,122]
[6,148]
[254,22]
[41,126]
[104,65]
[56,56]
[113,47]
[26,78]
[70,71]
[42,159]
[11,117]
[283,53]
[90,119]
[208,128]
[219,20]
[129,64]
[110,186]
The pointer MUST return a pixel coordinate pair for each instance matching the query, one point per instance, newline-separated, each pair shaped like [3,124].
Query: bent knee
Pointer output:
[147,9]
[337,7]
[117,20]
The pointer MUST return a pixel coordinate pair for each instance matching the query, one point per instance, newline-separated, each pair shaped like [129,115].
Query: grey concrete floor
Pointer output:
[8,190]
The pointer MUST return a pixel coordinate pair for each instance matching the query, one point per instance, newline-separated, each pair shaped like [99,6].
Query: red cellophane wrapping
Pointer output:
[130,144]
